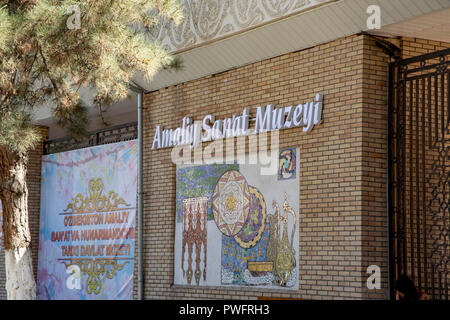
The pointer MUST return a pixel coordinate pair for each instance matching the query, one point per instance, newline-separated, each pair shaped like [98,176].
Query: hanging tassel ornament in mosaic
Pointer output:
[194,239]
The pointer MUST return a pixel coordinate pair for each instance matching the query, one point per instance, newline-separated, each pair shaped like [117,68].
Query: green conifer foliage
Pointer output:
[49,51]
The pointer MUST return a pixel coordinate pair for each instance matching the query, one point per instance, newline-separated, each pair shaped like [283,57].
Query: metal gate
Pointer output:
[418,197]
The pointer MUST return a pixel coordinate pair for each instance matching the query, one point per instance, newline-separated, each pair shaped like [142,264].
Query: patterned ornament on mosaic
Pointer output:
[194,236]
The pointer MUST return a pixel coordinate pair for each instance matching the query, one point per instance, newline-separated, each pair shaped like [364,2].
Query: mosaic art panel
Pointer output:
[251,234]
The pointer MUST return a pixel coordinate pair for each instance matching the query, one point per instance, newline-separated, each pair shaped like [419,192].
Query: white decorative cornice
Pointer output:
[208,20]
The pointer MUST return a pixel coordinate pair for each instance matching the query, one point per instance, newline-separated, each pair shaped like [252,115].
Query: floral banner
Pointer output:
[87,227]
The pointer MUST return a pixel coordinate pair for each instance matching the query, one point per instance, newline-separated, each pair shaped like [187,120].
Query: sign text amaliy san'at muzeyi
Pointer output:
[267,119]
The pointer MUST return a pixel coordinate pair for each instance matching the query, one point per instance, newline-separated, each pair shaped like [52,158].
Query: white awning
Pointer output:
[309,26]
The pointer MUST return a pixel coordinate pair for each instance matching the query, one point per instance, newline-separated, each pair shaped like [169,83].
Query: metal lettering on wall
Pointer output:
[267,119]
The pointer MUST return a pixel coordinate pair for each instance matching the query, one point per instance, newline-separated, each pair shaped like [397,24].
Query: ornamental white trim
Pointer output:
[207,20]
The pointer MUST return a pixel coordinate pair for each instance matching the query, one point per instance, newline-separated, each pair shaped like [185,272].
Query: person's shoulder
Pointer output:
[422,295]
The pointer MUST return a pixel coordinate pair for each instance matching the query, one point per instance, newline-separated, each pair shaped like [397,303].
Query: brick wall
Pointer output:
[342,166]
[374,219]
[34,196]
[343,223]
[412,47]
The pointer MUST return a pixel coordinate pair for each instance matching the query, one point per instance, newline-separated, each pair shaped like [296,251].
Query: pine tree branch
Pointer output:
[47,71]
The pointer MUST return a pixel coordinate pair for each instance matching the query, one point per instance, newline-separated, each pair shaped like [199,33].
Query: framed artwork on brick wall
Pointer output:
[236,226]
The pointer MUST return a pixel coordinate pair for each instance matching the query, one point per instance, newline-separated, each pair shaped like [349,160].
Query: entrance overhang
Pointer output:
[324,22]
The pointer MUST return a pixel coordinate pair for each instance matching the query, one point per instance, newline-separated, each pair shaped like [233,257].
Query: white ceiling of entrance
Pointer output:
[220,35]
[322,23]
[434,26]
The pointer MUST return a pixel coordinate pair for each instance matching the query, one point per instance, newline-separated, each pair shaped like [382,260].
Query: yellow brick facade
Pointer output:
[340,202]
[343,166]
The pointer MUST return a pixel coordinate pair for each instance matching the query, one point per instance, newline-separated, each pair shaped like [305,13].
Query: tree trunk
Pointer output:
[20,283]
